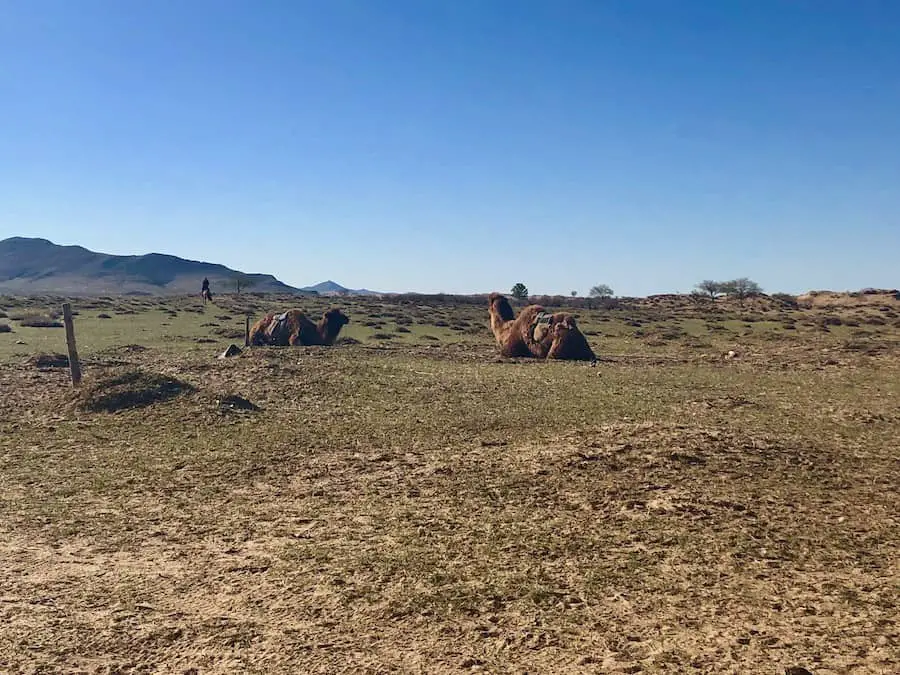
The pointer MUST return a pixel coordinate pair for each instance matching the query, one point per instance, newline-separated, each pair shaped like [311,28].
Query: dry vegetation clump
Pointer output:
[39,322]
[48,361]
[229,333]
[131,389]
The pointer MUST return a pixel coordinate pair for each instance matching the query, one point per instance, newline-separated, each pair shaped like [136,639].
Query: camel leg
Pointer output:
[556,348]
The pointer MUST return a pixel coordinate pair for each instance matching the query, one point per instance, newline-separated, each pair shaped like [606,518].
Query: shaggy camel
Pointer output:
[294,328]
[536,332]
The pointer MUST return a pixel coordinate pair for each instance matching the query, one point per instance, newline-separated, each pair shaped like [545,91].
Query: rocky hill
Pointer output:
[29,266]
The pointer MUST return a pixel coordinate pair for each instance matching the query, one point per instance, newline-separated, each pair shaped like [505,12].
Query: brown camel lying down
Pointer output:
[294,328]
[536,332]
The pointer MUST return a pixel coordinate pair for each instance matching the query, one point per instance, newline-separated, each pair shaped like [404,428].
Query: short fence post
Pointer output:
[74,364]
[247,331]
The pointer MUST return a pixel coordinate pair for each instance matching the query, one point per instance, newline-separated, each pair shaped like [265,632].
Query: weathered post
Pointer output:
[74,364]
[247,331]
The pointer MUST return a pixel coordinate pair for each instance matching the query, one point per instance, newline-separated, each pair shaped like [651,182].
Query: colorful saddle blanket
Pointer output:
[541,326]
[277,326]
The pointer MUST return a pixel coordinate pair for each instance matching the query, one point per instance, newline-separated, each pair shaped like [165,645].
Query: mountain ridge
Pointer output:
[30,265]
[330,287]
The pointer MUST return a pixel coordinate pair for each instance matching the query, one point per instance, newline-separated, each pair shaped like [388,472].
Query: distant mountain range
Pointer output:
[334,288]
[29,266]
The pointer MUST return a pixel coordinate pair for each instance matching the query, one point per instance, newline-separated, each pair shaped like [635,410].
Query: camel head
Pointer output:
[500,306]
[335,319]
[330,325]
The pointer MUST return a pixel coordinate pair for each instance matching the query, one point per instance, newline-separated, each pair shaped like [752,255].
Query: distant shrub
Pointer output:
[3,314]
[382,336]
[5,328]
[104,316]
[402,329]
[785,299]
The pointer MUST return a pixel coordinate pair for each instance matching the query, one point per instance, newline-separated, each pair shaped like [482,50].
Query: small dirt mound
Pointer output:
[48,361]
[132,389]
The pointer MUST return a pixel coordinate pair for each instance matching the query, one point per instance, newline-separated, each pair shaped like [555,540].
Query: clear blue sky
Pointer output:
[463,145]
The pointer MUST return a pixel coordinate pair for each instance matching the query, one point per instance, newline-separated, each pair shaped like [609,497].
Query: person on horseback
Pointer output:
[204,290]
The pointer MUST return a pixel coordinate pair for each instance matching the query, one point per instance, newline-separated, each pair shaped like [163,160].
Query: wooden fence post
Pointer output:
[247,331]
[74,364]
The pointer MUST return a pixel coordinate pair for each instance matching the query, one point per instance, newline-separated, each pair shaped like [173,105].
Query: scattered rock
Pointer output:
[731,354]
[233,350]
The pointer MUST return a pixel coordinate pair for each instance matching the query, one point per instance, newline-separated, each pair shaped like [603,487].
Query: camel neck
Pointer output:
[326,331]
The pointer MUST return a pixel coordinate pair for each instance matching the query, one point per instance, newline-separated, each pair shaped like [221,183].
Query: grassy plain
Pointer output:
[407,501]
